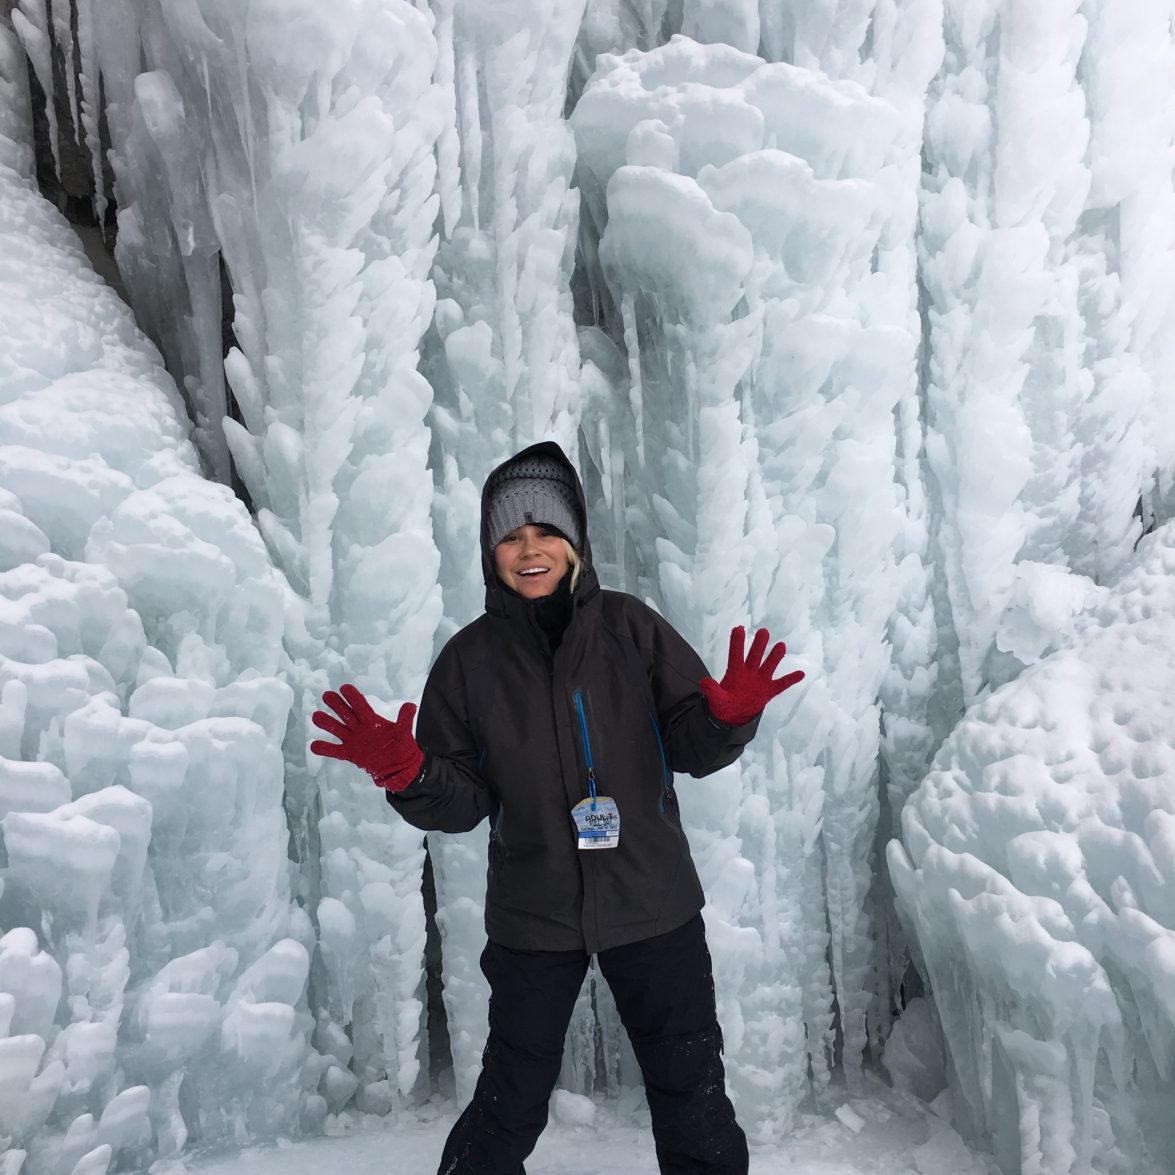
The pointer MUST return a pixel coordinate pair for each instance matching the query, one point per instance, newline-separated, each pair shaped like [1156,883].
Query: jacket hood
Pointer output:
[497,595]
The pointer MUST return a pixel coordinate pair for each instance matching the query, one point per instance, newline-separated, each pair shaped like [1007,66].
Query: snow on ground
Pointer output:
[880,1133]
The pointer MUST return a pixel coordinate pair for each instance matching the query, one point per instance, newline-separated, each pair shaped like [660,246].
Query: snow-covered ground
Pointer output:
[879,1133]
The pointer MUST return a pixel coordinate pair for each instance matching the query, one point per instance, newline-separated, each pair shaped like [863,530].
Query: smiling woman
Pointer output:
[560,715]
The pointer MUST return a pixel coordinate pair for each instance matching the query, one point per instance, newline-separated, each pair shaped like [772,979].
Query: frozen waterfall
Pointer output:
[858,319]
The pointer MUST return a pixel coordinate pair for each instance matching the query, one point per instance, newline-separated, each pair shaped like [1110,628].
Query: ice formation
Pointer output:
[312,180]
[765,444]
[858,317]
[1037,871]
[147,936]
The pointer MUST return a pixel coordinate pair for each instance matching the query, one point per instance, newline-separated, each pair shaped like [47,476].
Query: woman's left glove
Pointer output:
[747,686]
[385,750]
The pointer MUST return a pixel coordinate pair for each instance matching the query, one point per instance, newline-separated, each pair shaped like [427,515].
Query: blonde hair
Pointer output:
[575,561]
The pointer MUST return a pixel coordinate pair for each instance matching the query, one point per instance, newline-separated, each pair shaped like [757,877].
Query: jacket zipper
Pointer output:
[666,776]
[661,749]
[587,746]
[496,826]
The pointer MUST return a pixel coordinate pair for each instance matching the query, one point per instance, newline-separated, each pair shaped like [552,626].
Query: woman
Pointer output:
[560,716]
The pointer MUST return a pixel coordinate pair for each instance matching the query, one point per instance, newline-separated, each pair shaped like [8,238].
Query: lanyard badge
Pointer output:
[597,821]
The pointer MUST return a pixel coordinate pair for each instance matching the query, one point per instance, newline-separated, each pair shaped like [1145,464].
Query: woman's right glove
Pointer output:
[385,750]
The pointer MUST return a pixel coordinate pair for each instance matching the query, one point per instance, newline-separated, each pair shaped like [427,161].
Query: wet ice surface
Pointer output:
[879,1133]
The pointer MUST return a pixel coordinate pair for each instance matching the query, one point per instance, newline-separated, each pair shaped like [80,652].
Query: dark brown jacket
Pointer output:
[500,723]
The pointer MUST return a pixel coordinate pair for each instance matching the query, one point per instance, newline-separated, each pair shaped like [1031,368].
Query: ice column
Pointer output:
[1012,412]
[146,885]
[507,358]
[16,119]
[693,462]
[766,368]
[300,150]
[167,253]
[674,266]
[1127,291]
[502,358]
[893,48]
[321,178]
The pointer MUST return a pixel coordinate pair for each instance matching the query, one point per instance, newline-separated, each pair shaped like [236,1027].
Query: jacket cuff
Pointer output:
[734,736]
[408,790]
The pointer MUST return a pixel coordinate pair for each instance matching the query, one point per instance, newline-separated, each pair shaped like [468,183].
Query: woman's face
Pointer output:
[531,560]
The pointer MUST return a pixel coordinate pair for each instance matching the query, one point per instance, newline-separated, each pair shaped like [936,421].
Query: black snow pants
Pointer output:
[664,991]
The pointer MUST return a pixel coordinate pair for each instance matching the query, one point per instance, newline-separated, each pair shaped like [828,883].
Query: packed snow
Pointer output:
[876,1133]
[858,320]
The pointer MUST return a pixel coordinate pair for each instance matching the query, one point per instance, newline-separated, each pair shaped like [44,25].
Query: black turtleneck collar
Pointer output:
[551,613]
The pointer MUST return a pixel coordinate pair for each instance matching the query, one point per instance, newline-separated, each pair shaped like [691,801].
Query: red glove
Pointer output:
[747,686]
[385,750]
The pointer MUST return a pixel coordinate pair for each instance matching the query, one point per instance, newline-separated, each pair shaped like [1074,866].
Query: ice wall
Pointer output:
[147,935]
[873,303]
[1037,872]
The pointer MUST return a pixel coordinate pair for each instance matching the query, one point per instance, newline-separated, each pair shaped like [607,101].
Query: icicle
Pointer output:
[16,117]
[63,36]
[449,176]
[31,23]
[635,393]
[470,128]
[89,130]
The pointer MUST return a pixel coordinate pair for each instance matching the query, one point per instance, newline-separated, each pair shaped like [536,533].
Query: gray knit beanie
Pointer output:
[538,490]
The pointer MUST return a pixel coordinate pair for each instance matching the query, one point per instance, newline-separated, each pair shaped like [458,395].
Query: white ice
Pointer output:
[148,934]
[1037,873]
